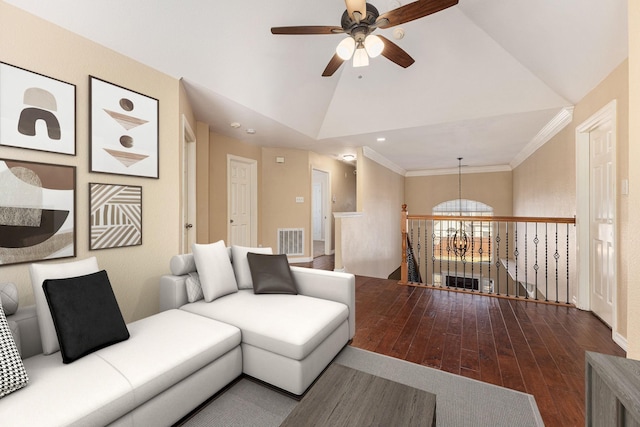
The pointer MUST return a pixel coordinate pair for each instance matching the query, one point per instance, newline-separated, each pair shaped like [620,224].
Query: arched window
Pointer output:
[477,232]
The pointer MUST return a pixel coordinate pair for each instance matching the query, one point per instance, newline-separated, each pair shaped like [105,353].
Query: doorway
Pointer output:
[597,216]
[242,201]
[188,211]
[320,213]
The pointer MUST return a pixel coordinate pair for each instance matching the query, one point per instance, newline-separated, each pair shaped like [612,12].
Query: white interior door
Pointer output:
[318,212]
[241,202]
[602,221]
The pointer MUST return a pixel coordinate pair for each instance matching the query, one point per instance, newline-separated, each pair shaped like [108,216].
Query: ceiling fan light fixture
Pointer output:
[373,45]
[345,48]
[360,58]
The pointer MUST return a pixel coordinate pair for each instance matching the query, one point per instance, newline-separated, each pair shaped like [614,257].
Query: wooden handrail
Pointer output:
[490,218]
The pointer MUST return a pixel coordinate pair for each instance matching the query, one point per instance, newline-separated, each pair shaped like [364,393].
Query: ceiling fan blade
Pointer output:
[395,53]
[332,66]
[307,29]
[356,6]
[409,12]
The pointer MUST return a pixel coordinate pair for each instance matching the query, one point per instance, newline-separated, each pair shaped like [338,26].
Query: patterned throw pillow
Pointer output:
[194,288]
[12,373]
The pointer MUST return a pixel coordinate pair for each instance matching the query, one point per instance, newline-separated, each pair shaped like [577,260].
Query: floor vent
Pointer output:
[291,241]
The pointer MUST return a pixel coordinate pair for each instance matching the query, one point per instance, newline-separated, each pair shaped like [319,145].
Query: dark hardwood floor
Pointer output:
[534,348]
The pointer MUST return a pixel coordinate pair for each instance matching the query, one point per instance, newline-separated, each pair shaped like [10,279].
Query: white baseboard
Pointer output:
[340,270]
[620,340]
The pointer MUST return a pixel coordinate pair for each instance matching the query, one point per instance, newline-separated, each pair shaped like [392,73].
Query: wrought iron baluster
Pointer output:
[506,239]
[526,265]
[546,261]
[556,255]
[536,266]
[498,261]
[515,257]
[567,294]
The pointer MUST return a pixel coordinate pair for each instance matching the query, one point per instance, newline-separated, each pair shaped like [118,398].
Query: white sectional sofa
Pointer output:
[287,340]
[176,359]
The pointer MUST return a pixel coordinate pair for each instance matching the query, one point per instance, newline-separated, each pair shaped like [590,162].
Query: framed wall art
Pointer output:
[36,112]
[37,211]
[124,131]
[116,216]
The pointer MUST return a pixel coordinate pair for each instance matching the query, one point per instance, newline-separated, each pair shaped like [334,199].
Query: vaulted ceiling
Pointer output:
[488,74]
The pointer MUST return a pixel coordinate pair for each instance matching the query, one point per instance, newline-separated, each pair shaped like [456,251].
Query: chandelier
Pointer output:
[459,241]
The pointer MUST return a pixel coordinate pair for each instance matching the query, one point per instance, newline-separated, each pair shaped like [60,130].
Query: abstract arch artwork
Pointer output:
[37,211]
[116,216]
[36,112]
[124,131]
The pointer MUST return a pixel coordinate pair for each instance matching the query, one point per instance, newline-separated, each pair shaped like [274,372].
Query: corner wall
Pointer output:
[371,244]
[29,42]
[545,183]
[633,248]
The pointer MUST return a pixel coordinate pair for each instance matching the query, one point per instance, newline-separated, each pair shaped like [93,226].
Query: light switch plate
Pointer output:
[299,199]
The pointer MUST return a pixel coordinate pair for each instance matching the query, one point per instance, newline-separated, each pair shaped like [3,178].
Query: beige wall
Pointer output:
[371,243]
[31,43]
[219,147]
[423,193]
[545,184]
[633,229]
[281,184]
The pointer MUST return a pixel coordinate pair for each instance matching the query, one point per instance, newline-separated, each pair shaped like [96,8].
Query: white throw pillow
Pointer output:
[241,265]
[194,288]
[215,270]
[41,272]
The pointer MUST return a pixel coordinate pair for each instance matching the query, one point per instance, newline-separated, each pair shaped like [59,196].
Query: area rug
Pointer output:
[460,401]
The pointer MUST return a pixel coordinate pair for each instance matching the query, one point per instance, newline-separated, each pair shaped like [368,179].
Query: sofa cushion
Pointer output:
[12,373]
[241,264]
[70,394]
[215,270]
[41,272]
[166,348]
[85,314]
[271,274]
[289,325]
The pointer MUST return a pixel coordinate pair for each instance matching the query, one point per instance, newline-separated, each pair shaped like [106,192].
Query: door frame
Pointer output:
[326,207]
[253,166]
[583,212]
[188,178]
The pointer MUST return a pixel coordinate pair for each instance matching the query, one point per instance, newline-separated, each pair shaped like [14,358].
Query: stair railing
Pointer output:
[531,258]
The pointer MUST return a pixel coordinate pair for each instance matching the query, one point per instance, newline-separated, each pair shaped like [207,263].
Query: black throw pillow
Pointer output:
[271,274]
[85,314]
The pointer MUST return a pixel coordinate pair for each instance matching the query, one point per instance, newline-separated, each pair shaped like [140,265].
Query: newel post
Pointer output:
[404,268]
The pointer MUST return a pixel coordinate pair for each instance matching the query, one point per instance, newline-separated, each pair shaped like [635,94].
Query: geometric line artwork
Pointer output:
[116,216]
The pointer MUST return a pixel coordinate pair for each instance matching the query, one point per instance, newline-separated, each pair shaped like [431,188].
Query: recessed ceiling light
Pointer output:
[235,125]
[251,131]
[381,139]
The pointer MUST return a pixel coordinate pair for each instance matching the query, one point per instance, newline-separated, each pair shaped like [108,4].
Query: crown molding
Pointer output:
[463,170]
[551,129]
[381,160]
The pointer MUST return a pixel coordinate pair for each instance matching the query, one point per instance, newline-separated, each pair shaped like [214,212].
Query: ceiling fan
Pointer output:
[359,21]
